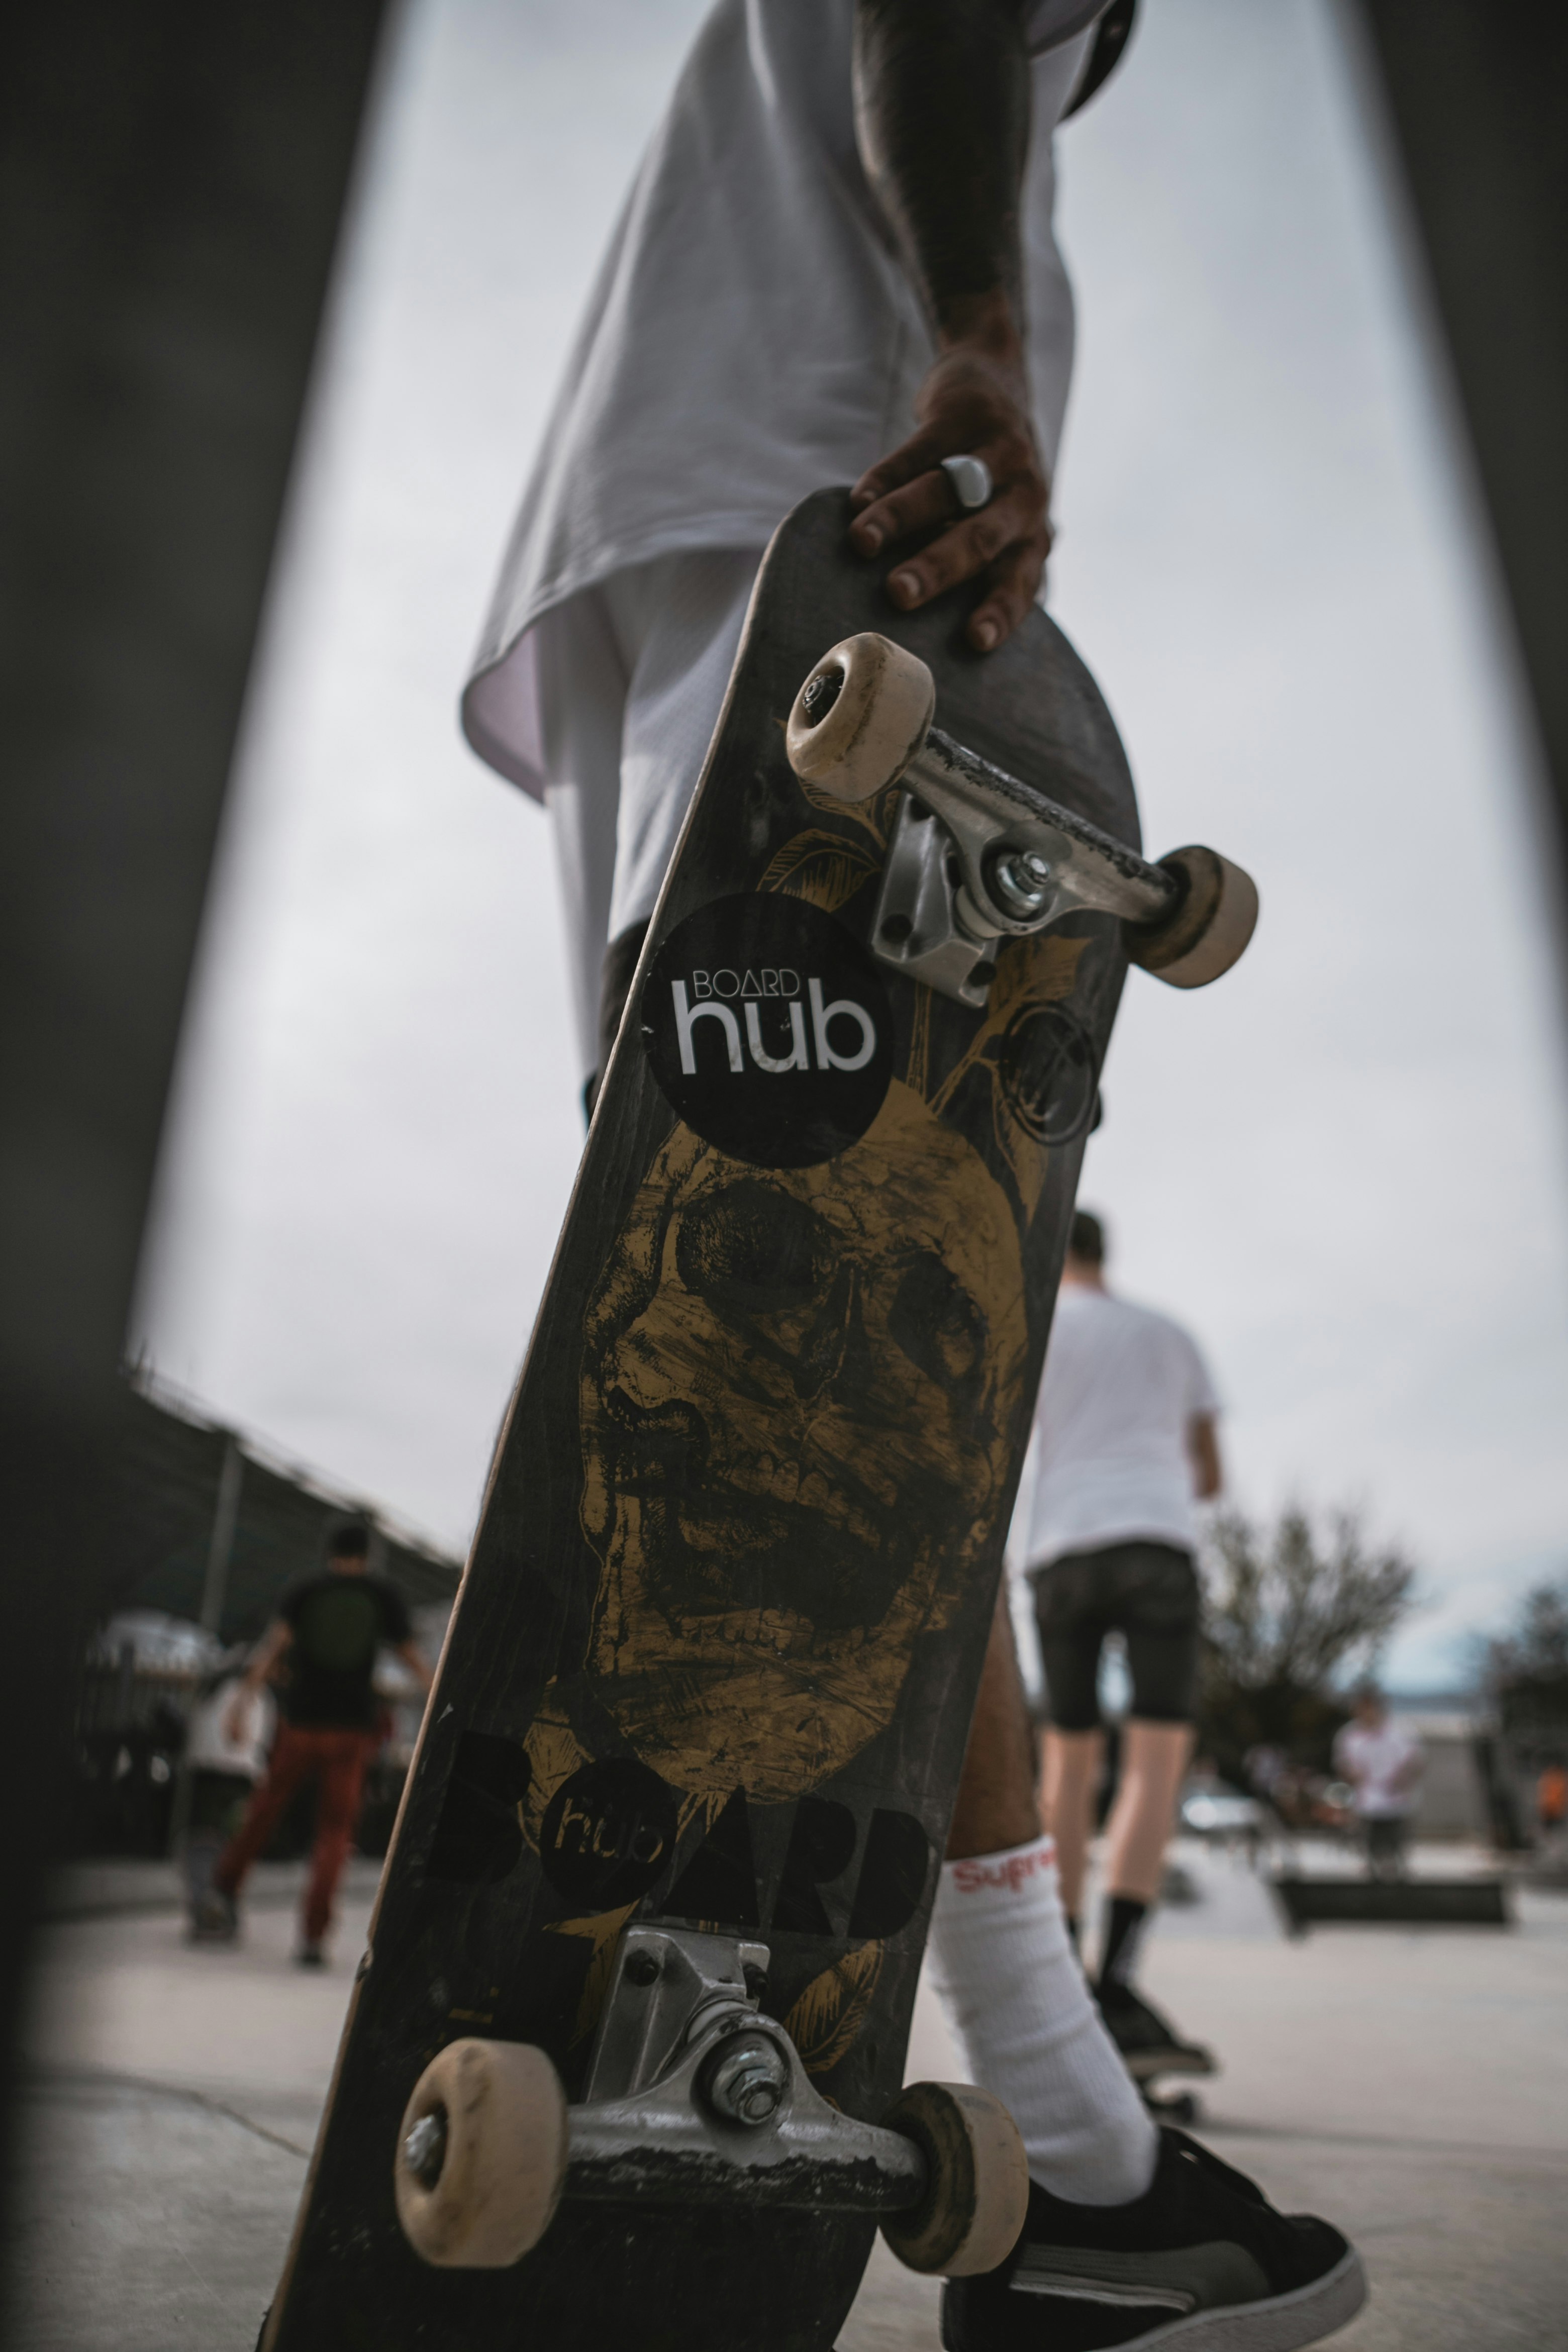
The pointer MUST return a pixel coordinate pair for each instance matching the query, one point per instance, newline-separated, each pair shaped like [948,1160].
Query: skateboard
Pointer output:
[623,2061]
[1182,2107]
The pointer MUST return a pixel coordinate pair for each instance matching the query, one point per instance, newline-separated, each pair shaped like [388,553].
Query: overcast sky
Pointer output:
[1344,1166]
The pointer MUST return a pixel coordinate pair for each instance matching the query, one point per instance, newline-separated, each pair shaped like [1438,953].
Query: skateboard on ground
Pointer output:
[622,2063]
[1183,2105]
[1181,2065]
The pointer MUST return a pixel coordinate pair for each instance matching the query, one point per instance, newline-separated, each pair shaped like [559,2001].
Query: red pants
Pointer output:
[336,1760]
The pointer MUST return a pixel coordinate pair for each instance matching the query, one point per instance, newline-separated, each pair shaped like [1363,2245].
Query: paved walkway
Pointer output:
[1412,2085]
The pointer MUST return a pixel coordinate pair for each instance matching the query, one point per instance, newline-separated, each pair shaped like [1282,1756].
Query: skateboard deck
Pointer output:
[716,1650]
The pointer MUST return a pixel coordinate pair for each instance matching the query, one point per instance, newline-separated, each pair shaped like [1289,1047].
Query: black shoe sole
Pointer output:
[1283,2324]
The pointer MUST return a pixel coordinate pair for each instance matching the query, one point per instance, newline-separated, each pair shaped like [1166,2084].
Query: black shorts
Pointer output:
[1147,1593]
[1384,1836]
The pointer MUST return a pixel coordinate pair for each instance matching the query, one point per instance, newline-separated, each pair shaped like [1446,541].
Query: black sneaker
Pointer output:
[1149,2043]
[1202,2261]
[215,1919]
[310,1956]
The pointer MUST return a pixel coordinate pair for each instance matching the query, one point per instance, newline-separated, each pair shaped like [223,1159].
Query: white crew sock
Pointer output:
[1011,1982]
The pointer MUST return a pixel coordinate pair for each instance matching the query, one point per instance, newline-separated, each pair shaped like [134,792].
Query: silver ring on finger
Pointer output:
[972,484]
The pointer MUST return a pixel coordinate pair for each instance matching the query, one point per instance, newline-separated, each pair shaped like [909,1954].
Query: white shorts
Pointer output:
[630,680]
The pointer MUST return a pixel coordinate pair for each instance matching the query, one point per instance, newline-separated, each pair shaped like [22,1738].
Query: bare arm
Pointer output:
[409,1653]
[941,108]
[1203,1452]
[275,1642]
[943,98]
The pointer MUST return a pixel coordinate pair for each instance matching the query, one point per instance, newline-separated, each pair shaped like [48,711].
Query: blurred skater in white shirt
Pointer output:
[1124,1448]
[1384,1764]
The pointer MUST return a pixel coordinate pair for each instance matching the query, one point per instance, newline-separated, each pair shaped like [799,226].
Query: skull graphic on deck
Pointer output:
[796,1390]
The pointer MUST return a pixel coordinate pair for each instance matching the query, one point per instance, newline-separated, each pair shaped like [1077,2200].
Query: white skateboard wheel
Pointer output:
[977,2191]
[1210,929]
[481,2155]
[861,717]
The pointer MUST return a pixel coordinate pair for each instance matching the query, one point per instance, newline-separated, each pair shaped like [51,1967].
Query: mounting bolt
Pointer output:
[748,2080]
[756,1981]
[643,1968]
[1018,880]
[425,2148]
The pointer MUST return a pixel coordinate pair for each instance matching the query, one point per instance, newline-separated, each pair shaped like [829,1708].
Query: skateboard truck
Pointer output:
[694,2097]
[978,858]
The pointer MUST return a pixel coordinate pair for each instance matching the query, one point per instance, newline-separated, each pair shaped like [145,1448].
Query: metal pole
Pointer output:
[220,1549]
[174,178]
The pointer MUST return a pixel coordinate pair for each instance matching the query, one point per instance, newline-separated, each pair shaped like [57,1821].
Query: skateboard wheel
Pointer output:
[481,2155]
[1210,929]
[977,2191]
[861,717]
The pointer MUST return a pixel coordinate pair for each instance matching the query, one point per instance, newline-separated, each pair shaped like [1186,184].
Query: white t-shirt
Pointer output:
[209,1749]
[751,335]
[1370,1757]
[1108,1457]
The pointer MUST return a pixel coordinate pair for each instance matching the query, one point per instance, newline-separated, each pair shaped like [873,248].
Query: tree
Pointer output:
[1526,1670]
[1289,1613]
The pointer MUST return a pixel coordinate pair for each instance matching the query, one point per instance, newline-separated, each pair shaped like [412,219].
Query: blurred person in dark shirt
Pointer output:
[331,1629]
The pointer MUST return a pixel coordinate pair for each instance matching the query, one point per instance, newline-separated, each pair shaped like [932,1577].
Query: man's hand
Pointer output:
[257,1676]
[1203,1453]
[974,402]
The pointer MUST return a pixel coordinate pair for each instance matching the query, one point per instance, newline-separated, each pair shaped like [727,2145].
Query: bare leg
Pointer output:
[1153,1761]
[1068,1782]
[995,1806]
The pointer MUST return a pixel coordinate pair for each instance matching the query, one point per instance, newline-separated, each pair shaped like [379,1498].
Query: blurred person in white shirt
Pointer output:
[1384,1764]
[1124,1448]
[227,1746]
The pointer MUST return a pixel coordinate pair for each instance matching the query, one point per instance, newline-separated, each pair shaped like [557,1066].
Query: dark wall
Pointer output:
[172,181]
[1474,97]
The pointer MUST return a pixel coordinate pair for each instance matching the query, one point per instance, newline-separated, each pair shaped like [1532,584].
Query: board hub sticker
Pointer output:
[768,1029]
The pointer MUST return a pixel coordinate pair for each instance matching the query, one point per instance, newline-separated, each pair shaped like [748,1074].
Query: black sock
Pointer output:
[1072,1928]
[1125,1917]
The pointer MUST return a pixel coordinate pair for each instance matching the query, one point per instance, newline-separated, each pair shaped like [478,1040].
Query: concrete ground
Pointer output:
[1411,2084]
